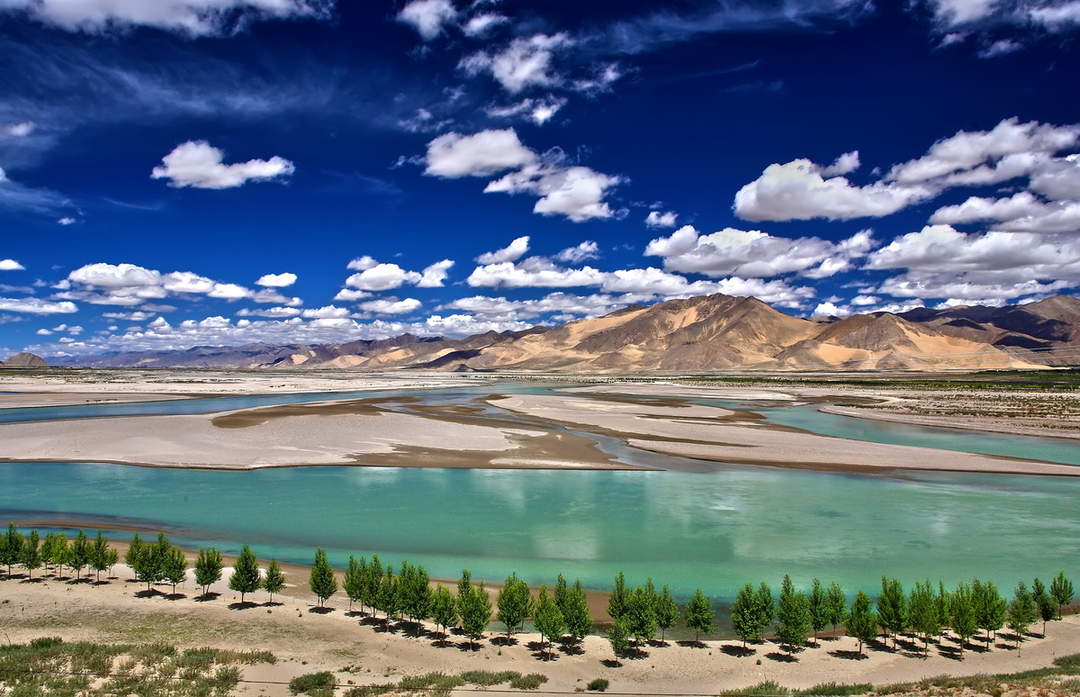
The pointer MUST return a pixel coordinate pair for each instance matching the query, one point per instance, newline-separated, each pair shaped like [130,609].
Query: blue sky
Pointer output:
[211,172]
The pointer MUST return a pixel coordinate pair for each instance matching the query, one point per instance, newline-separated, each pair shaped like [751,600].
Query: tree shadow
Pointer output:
[781,657]
[245,605]
[148,593]
[503,640]
[175,596]
[950,652]
[100,583]
[611,663]
[36,579]
[273,603]
[570,646]
[691,643]
[658,643]
[207,597]
[1005,647]
[440,639]
[320,610]
[737,650]
[848,654]
[469,646]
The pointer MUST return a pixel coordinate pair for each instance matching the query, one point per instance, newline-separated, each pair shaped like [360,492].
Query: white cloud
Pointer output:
[844,164]
[382,277]
[37,306]
[557,302]
[829,309]
[271,312]
[1000,47]
[538,111]
[19,130]
[326,312]
[349,295]
[193,17]
[1021,212]
[453,155]
[657,219]
[579,253]
[525,62]
[434,275]
[481,24]
[11,265]
[800,190]
[277,280]
[511,252]
[753,253]
[536,274]
[200,165]
[66,220]
[361,263]
[391,306]
[115,275]
[428,16]
[863,300]
[576,192]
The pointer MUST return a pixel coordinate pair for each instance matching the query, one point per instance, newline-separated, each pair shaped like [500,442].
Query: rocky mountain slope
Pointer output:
[24,360]
[715,332]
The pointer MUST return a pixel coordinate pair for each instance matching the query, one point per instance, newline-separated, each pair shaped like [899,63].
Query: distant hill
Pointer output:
[714,332]
[24,360]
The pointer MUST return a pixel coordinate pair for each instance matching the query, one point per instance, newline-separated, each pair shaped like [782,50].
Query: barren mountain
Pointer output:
[24,360]
[715,332]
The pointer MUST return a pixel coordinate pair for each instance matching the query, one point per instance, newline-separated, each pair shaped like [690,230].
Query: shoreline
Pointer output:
[942,422]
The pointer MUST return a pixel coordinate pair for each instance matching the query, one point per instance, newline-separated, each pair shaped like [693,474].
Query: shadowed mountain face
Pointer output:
[715,332]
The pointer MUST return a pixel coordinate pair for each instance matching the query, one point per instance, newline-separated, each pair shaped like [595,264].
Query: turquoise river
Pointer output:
[714,529]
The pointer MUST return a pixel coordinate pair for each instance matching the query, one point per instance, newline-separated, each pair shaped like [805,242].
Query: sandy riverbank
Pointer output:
[306,641]
[719,435]
[357,432]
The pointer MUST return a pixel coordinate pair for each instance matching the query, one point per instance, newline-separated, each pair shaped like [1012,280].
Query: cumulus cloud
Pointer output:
[579,252]
[1021,212]
[130,284]
[538,111]
[382,277]
[200,165]
[658,219]
[453,155]
[942,262]
[479,25]
[277,280]
[844,164]
[525,62]
[428,17]
[802,190]
[37,306]
[272,312]
[11,265]
[192,17]
[558,302]
[511,252]
[830,309]
[753,253]
[349,295]
[576,192]
[391,306]
[434,275]
[537,273]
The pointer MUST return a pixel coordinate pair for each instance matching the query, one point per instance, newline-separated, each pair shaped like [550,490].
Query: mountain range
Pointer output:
[699,334]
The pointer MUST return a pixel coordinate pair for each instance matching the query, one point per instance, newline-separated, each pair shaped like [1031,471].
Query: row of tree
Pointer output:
[560,612]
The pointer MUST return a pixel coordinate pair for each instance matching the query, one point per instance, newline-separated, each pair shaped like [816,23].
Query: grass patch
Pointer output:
[832,689]
[310,683]
[531,681]
[597,685]
[762,689]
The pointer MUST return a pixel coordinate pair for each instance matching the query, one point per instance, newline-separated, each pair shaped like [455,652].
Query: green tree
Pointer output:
[274,581]
[1021,613]
[80,553]
[513,603]
[443,609]
[962,614]
[892,608]
[1044,603]
[474,607]
[208,567]
[941,606]
[699,614]
[746,615]
[12,548]
[667,612]
[415,594]
[134,551]
[322,581]
[819,608]
[99,555]
[576,614]
[548,619]
[765,606]
[641,612]
[372,580]
[619,636]
[792,616]
[352,581]
[147,560]
[31,554]
[48,545]
[1061,589]
[245,576]
[836,605]
[861,622]
[60,553]
[174,567]
[923,613]
[111,558]
[990,608]
[387,599]
[618,598]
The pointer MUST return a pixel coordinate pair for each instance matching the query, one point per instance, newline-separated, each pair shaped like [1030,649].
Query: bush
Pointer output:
[769,688]
[485,678]
[829,689]
[46,642]
[311,682]
[528,682]
[1070,664]
[597,685]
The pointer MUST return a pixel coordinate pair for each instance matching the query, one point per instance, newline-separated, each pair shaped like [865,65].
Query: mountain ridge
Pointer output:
[702,333]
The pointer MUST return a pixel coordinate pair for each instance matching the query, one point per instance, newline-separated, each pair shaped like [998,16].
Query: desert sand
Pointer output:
[305,641]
